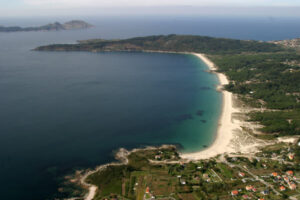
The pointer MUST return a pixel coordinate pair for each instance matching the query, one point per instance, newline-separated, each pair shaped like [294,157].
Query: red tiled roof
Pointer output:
[147,190]
[282,188]
[241,174]
[274,174]
[290,172]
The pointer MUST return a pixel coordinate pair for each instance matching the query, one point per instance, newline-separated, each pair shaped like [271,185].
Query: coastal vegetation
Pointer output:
[270,81]
[161,174]
[174,43]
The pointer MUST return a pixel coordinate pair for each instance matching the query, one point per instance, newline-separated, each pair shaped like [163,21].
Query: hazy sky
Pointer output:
[26,7]
[90,3]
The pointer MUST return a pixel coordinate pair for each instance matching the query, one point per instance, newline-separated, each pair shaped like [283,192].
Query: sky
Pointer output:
[101,3]
[52,7]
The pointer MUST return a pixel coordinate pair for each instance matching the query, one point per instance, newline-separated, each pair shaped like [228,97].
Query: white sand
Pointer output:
[226,127]
[288,139]
[92,193]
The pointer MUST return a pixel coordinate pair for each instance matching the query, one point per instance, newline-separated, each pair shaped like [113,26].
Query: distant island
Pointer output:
[56,26]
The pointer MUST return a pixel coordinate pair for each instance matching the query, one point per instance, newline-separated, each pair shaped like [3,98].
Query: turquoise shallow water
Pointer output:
[197,126]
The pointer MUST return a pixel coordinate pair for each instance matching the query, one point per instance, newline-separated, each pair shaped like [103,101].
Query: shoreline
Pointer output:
[121,158]
[221,143]
[226,126]
[223,136]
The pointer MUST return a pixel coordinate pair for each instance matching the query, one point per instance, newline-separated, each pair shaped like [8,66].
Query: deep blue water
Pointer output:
[64,110]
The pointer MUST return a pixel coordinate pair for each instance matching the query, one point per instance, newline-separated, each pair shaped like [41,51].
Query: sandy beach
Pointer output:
[226,125]
[224,135]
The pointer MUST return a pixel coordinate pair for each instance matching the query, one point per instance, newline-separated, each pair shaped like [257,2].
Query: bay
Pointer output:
[66,110]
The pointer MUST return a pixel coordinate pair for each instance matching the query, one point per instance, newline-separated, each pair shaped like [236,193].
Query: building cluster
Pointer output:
[287,180]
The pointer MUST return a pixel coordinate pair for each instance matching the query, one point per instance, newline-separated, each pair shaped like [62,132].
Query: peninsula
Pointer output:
[164,43]
[256,152]
[56,26]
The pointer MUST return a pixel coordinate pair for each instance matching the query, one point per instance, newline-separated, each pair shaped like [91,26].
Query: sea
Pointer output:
[61,111]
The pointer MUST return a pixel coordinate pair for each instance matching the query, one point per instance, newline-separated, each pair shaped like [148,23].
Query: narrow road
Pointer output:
[295,197]
[217,175]
[257,158]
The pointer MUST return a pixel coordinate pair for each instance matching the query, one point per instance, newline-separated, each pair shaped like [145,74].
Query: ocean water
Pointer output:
[246,28]
[66,110]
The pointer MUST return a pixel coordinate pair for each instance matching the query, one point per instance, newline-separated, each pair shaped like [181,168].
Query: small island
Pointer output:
[56,26]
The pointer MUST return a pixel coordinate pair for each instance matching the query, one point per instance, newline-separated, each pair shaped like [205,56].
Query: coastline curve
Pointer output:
[226,125]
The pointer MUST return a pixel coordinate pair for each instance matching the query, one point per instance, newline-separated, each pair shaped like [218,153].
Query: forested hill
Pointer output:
[174,43]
